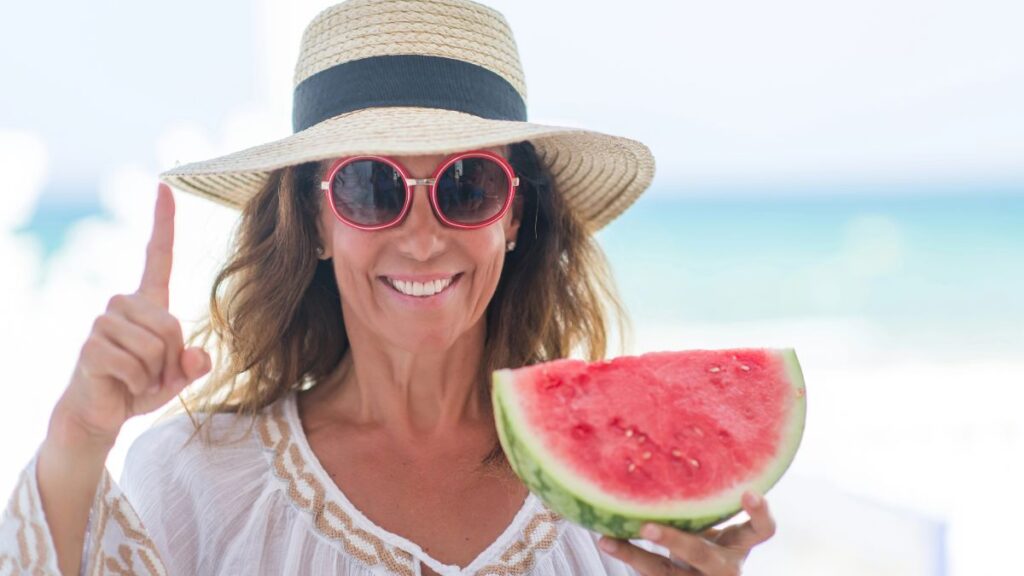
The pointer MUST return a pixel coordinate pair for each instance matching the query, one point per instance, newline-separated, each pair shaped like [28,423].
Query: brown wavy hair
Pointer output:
[274,306]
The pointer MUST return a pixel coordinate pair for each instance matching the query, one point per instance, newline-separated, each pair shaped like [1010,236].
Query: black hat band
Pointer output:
[405,80]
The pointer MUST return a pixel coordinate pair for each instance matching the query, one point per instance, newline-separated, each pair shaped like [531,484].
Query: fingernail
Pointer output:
[651,532]
[608,545]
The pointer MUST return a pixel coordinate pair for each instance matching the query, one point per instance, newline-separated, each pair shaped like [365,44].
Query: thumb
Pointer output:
[194,363]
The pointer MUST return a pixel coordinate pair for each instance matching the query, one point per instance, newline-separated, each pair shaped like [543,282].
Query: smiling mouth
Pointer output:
[421,289]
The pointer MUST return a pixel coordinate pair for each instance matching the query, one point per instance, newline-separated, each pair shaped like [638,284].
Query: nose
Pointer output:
[421,236]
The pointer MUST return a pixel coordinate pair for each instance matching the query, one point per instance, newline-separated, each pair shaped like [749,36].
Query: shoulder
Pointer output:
[188,488]
[171,451]
[224,429]
[177,436]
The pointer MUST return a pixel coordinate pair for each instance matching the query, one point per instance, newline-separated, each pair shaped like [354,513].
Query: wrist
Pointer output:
[67,434]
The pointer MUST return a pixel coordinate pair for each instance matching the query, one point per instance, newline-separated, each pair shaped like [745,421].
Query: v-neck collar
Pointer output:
[533,530]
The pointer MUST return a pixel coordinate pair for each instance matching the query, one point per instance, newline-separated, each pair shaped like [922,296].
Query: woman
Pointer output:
[407,240]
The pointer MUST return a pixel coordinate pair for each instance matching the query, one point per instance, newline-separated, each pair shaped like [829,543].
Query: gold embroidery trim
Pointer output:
[8,565]
[309,494]
[518,559]
[112,505]
[33,551]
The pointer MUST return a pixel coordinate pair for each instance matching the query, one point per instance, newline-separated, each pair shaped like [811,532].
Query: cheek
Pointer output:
[353,256]
[490,258]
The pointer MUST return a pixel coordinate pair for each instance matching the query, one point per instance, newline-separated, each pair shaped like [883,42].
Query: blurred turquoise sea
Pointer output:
[936,271]
[913,263]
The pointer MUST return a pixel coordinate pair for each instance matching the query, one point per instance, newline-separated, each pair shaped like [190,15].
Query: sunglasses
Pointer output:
[468,190]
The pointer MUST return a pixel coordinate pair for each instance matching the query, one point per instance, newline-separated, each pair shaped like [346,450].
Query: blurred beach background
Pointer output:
[846,178]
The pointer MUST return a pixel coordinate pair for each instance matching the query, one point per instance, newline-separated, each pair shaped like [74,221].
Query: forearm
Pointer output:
[69,469]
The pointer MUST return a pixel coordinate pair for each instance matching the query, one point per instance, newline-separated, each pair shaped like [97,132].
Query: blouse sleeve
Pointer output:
[115,540]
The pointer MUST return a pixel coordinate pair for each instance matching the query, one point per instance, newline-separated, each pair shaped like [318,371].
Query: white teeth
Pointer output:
[420,288]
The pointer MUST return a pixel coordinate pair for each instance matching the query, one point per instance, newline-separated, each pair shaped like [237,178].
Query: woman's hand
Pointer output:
[712,553]
[133,361]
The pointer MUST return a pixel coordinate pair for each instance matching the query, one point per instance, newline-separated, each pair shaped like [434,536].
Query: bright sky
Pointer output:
[726,93]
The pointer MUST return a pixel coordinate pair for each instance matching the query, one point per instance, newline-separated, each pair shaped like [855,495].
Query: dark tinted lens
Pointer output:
[368,192]
[472,190]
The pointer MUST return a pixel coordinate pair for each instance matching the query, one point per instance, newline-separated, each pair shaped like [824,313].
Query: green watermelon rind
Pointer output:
[576,498]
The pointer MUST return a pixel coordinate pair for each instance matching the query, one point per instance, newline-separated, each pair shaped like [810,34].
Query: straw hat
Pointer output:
[398,77]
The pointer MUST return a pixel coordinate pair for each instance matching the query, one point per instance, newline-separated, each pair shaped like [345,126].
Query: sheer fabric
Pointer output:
[262,504]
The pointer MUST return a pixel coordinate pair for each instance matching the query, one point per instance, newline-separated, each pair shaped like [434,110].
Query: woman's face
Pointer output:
[373,268]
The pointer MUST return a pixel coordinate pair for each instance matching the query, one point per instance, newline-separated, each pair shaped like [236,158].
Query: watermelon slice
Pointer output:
[668,437]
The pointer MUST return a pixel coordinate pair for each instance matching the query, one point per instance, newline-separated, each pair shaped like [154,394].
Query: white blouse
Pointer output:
[263,504]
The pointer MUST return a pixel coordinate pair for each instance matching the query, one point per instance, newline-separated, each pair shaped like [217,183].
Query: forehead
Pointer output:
[433,159]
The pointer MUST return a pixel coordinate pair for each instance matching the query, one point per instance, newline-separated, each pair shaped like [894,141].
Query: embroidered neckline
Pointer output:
[534,530]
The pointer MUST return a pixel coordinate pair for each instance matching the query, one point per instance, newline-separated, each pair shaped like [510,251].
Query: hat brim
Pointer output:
[599,175]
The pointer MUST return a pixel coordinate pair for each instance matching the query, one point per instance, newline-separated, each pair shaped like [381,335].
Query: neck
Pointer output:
[419,395]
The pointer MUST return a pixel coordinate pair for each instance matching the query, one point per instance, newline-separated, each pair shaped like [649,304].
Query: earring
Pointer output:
[319,252]
[510,246]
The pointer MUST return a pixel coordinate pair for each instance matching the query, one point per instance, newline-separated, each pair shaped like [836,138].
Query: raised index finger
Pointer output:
[157,274]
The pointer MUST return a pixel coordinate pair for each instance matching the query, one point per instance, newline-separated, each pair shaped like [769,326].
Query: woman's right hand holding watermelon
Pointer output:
[713,552]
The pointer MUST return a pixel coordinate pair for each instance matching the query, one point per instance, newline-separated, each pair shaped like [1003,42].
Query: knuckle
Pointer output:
[152,348]
[92,346]
[139,378]
[117,302]
[700,553]
[625,553]
[101,323]
[90,364]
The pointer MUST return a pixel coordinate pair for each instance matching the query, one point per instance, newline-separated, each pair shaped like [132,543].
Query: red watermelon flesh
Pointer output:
[670,436]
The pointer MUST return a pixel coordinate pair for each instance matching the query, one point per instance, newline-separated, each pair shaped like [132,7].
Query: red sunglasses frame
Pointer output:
[410,184]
